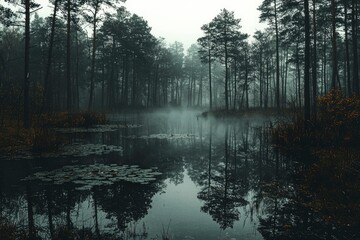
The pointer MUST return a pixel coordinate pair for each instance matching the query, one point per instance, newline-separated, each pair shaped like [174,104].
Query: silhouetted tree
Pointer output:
[269,12]
[224,28]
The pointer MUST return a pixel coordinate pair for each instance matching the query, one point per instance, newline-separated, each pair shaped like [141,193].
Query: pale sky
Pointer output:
[181,20]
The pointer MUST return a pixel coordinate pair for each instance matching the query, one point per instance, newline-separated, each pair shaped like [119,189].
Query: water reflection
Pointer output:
[221,180]
[222,194]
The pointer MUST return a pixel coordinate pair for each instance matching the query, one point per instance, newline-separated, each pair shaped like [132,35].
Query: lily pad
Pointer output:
[87,176]
[83,150]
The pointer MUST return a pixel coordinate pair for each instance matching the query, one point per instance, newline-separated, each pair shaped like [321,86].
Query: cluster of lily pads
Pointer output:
[83,150]
[85,177]
[98,128]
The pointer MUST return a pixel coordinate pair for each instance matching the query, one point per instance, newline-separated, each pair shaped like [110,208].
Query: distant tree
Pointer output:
[27,5]
[27,121]
[258,55]
[269,12]
[354,20]
[240,56]
[346,33]
[194,71]
[224,31]
[314,60]
[92,15]
[334,45]
[207,55]
[177,54]
[307,62]
[47,99]
[140,44]
[68,54]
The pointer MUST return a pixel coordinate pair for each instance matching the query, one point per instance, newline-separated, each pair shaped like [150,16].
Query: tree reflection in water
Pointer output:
[238,176]
[221,195]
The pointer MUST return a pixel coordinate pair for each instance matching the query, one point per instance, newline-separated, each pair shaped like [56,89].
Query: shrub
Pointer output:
[9,231]
[43,139]
[65,119]
[340,115]
[338,123]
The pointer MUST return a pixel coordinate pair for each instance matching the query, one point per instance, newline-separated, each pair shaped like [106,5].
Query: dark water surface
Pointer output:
[165,175]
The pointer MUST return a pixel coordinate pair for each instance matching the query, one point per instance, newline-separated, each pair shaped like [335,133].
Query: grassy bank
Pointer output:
[42,136]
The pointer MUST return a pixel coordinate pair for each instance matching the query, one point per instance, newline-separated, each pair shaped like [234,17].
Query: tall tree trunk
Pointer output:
[277,91]
[156,83]
[27,121]
[133,89]
[226,79]
[348,70]
[324,65]
[334,47]
[298,73]
[68,57]
[77,92]
[261,80]
[102,85]
[246,81]
[210,87]
[47,98]
[314,66]
[92,73]
[126,82]
[355,47]
[111,86]
[235,86]
[284,92]
[307,64]
[194,89]
[266,103]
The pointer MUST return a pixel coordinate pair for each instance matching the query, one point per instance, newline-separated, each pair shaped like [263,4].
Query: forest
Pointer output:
[265,126]
[81,58]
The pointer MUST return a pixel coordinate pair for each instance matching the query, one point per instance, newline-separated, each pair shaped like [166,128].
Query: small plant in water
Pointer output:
[165,234]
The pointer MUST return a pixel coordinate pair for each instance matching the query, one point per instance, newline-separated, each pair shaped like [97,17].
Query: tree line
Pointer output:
[95,54]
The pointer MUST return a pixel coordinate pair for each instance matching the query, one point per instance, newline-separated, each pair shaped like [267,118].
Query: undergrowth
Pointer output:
[65,119]
[337,124]
[41,137]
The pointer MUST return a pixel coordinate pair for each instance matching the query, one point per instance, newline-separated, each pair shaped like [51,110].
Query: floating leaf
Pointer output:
[88,176]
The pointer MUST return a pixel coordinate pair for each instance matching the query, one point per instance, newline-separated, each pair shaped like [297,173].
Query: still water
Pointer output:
[162,175]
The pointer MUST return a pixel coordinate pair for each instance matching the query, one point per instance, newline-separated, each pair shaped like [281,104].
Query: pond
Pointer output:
[162,175]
